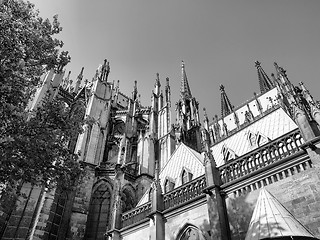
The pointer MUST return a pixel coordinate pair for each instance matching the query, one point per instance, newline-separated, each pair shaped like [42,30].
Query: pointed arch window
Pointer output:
[252,138]
[127,199]
[99,212]
[228,154]
[257,139]
[190,232]
[261,139]
[186,176]
[61,198]
[168,185]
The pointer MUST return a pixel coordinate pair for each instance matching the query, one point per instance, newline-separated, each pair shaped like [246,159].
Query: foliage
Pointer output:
[32,149]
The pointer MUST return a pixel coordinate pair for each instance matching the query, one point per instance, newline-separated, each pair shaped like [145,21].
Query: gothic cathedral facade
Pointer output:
[251,173]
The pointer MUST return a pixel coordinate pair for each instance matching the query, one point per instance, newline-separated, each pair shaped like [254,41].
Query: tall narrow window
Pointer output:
[184,177]
[61,201]
[168,185]
[228,154]
[99,212]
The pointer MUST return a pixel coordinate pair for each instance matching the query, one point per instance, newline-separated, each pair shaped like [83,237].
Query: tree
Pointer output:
[32,149]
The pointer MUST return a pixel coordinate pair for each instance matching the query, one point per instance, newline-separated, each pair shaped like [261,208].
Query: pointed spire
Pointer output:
[135,91]
[206,119]
[66,81]
[184,88]
[264,81]
[270,219]
[78,82]
[157,85]
[226,107]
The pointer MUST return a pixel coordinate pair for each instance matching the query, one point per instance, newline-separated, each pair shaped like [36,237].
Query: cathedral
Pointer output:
[158,172]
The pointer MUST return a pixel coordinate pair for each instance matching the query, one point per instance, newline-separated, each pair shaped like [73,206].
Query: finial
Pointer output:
[205,112]
[135,90]
[257,64]
[157,83]
[167,81]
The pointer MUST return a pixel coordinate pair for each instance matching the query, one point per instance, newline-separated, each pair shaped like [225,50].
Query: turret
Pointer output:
[188,114]
[299,104]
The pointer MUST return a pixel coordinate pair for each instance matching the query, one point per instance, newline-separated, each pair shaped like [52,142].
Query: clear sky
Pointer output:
[219,40]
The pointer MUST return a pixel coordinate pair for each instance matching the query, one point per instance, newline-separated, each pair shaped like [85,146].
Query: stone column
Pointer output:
[157,228]
[215,198]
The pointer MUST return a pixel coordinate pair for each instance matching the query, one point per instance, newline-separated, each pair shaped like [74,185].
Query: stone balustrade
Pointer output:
[184,193]
[269,153]
[136,215]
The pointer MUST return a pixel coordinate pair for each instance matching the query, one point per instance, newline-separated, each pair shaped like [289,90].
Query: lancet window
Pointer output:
[186,176]
[99,213]
[168,185]
[228,154]
[257,139]
[190,233]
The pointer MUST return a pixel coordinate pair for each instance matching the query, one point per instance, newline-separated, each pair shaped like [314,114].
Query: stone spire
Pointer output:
[226,107]
[264,81]
[270,219]
[185,91]
[157,85]
[168,92]
[78,82]
[135,91]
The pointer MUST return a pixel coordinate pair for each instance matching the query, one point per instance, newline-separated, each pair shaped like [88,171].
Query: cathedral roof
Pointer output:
[271,126]
[182,158]
[271,220]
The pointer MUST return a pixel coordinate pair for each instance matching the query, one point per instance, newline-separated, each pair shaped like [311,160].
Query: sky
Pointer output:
[219,41]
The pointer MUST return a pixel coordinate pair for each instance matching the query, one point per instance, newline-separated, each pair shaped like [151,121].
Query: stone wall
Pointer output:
[194,214]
